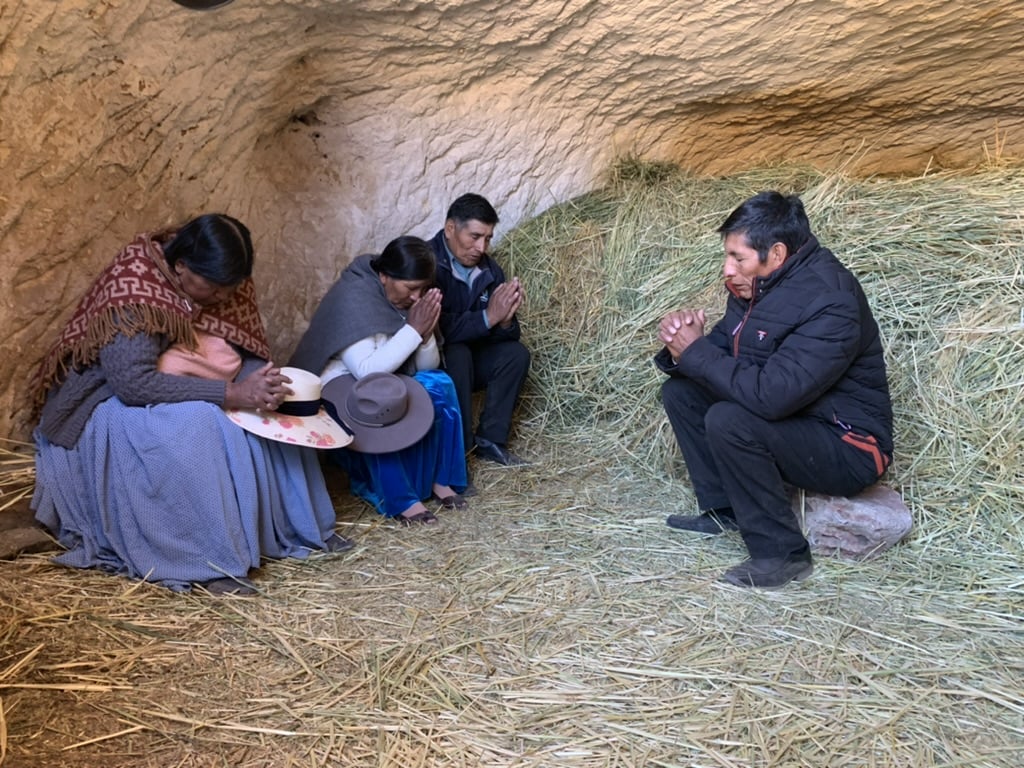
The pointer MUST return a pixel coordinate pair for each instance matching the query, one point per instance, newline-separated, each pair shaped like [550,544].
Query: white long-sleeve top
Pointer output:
[381,353]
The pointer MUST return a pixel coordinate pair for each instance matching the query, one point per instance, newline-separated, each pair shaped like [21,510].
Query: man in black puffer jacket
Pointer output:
[788,388]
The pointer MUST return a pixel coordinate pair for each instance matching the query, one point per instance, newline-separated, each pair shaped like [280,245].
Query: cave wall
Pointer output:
[332,126]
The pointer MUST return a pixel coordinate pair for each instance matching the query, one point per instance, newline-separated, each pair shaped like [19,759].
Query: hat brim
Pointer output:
[319,431]
[410,429]
[202,5]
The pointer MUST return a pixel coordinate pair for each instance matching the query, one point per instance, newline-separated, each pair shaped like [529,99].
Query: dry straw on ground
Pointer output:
[557,622]
[17,475]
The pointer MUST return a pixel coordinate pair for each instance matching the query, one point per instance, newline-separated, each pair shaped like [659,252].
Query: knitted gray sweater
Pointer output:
[126,369]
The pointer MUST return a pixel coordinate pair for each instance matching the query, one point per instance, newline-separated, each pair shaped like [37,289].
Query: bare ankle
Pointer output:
[415,509]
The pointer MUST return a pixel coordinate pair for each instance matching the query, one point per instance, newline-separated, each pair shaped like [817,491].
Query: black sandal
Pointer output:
[425,518]
[455,501]
[337,543]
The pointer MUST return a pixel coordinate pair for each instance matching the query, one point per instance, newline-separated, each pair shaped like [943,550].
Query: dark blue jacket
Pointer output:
[462,309]
[805,344]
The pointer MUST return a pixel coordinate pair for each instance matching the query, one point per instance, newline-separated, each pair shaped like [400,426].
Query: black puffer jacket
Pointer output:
[806,344]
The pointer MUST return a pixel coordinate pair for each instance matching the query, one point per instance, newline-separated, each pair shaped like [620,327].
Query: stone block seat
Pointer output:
[859,527]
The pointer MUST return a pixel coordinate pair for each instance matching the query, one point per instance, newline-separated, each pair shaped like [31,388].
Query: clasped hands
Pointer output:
[679,329]
[505,301]
[425,313]
[264,389]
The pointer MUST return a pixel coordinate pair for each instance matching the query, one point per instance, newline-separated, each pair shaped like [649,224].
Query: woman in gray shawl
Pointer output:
[381,317]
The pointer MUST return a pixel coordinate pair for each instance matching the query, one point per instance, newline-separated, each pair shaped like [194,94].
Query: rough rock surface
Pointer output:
[332,126]
[20,533]
[859,527]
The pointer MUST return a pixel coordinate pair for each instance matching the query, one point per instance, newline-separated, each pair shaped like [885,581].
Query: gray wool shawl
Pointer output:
[355,308]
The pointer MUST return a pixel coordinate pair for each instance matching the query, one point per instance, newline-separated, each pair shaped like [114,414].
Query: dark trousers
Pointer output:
[739,460]
[499,368]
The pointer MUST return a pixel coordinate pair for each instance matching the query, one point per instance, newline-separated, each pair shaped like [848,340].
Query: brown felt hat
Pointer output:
[386,411]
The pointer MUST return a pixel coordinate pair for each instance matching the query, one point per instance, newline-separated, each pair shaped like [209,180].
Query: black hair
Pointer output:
[768,218]
[406,258]
[472,207]
[215,246]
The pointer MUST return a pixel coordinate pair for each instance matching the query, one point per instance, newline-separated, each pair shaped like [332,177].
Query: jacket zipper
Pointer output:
[736,331]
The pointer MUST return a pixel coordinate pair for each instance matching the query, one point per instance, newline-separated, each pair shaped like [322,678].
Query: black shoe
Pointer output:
[489,451]
[770,572]
[337,543]
[228,585]
[711,522]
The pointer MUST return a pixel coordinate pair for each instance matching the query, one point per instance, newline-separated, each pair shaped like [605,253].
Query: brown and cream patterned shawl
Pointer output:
[136,293]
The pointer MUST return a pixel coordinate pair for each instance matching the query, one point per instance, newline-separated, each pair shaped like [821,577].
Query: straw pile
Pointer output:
[940,257]
[17,473]
[557,622]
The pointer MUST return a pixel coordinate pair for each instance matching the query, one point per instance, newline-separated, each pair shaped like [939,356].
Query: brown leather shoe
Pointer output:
[455,501]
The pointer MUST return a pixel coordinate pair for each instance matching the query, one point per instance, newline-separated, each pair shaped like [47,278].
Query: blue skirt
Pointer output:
[393,482]
[176,493]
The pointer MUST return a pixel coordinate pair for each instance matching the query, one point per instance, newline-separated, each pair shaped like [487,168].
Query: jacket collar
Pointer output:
[792,262]
[446,261]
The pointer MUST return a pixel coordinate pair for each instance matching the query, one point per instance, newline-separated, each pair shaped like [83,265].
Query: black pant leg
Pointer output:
[756,458]
[686,403]
[458,363]
[500,368]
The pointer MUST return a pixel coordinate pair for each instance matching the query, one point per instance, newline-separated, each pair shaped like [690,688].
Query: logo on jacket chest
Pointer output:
[762,335]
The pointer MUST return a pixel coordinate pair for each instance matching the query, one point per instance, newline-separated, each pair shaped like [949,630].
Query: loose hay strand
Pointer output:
[17,472]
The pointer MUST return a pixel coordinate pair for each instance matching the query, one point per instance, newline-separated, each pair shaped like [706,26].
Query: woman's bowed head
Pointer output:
[211,257]
[406,268]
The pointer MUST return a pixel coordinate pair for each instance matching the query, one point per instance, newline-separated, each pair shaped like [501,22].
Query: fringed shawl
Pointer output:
[135,294]
[355,308]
